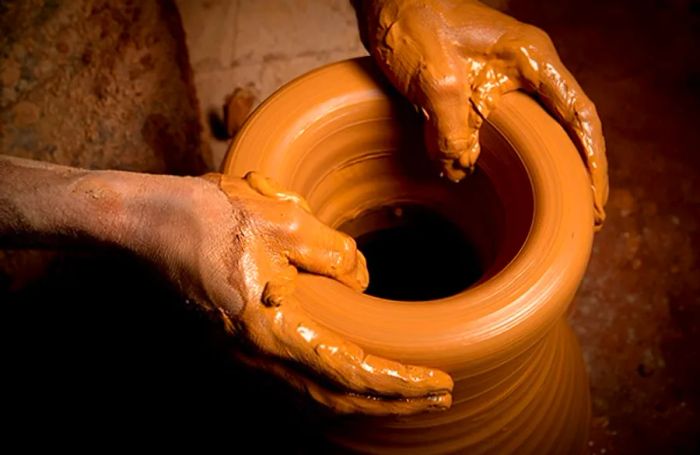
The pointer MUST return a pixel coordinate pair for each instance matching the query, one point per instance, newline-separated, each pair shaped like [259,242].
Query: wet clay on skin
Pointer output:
[351,147]
[232,246]
[455,58]
[278,327]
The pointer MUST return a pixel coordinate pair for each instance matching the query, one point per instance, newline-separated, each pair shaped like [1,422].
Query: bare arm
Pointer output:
[232,246]
[44,204]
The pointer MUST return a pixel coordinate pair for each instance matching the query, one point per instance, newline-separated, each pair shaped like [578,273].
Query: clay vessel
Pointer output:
[353,147]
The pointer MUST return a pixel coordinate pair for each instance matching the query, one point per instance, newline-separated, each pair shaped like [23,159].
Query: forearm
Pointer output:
[44,204]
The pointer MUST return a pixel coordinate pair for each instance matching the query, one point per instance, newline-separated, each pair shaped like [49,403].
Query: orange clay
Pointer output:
[348,145]
[278,327]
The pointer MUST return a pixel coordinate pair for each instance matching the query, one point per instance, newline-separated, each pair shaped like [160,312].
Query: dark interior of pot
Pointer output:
[424,237]
[414,253]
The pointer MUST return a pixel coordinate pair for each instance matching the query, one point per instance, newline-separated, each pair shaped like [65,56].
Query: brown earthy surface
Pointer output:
[99,85]
[133,352]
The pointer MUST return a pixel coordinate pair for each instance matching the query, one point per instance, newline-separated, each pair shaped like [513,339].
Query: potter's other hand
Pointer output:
[454,59]
[271,232]
[232,246]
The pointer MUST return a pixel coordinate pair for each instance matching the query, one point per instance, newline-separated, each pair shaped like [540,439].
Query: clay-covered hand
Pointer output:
[249,242]
[454,58]
[232,246]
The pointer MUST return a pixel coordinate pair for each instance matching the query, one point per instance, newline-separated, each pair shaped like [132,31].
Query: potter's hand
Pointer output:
[455,58]
[271,233]
[232,246]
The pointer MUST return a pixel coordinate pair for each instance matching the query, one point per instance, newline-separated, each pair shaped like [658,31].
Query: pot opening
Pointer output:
[365,171]
[414,253]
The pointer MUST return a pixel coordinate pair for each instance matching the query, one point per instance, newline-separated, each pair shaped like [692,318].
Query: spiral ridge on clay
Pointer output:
[349,145]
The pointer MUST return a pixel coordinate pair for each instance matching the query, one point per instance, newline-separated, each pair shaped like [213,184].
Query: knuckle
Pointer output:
[440,83]
[293,220]
[536,36]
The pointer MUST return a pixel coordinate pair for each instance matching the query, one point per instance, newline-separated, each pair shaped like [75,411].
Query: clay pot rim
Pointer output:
[535,287]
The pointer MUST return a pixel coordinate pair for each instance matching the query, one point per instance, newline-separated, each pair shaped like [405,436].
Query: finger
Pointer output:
[452,121]
[284,331]
[452,132]
[438,85]
[269,188]
[310,244]
[565,98]
[317,248]
[345,403]
[353,404]
[546,75]
[487,86]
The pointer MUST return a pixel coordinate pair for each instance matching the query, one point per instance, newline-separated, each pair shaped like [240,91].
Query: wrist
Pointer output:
[149,215]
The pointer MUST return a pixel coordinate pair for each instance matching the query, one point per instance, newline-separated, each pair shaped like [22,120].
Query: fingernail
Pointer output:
[438,380]
[362,273]
[276,291]
[440,402]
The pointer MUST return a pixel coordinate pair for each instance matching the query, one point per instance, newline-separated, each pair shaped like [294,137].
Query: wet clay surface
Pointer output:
[637,313]
[279,238]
